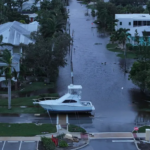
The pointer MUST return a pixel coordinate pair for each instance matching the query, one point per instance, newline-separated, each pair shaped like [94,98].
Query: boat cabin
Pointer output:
[75,90]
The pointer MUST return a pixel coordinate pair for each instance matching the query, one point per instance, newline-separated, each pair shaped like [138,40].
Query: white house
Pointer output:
[132,20]
[15,33]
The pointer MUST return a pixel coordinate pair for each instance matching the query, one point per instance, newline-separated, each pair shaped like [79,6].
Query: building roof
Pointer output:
[139,30]
[28,4]
[33,26]
[133,16]
[31,15]
[16,32]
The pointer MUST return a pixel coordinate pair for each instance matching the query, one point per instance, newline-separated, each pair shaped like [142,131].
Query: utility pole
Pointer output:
[125,54]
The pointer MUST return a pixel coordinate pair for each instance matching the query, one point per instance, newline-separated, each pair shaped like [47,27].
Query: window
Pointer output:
[135,23]
[120,23]
[144,23]
[69,101]
[129,23]
[139,23]
[148,23]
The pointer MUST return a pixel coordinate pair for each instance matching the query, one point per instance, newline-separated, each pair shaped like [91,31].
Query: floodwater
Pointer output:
[101,74]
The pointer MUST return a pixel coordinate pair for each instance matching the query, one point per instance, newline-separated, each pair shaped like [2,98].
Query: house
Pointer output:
[140,30]
[15,33]
[27,5]
[139,22]
[132,20]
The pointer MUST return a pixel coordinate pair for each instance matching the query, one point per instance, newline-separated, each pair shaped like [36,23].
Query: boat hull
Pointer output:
[65,108]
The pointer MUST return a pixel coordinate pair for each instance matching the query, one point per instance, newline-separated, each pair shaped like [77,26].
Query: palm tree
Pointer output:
[113,37]
[50,26]
[148,6]
[104,17]
[6,68]
[123,37]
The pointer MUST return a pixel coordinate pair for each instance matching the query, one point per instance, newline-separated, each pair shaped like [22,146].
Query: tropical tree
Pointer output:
[148,6]
[123,36]
[113,37]
[46,55]
[139,74]
[8,70]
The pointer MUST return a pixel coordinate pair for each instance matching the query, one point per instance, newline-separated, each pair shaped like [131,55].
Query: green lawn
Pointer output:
[114,48]
[20,101]
[74,128]
[32,87]
[36,86]
[142,129]
[25,129]
[24,101]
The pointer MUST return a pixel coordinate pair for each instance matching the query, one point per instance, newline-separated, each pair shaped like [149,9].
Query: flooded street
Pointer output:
[101,74]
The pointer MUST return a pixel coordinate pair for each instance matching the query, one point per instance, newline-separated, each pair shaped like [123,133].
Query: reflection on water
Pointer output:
[142,102]
[143,118]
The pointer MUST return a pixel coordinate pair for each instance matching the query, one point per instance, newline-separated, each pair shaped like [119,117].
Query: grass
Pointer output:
[114,48]
[28,110]
[5,92]
[142,129]
[74,128]
[21,101]
[36,86]
[32,87]
[25,129]
[24,101]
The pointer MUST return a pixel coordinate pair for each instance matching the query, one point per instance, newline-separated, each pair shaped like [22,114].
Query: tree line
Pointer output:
[106,13]
[43,58]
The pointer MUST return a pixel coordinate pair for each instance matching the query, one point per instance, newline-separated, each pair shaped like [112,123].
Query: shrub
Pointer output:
[93,13]
[22,21]
[47,143]
[61,136]
[74,128]
[129,46]
[63,144]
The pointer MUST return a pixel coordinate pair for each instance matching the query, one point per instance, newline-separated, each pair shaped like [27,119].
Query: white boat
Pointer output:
[70,102]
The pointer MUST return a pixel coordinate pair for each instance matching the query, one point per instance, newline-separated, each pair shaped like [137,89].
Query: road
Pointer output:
[110,145]
[101,74]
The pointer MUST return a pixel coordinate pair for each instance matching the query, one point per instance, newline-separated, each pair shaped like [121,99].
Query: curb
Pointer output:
[136,143]
[82,145]
[111,138]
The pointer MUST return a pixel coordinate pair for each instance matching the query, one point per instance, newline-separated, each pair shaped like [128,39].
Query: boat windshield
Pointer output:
[69,101]
[75,91]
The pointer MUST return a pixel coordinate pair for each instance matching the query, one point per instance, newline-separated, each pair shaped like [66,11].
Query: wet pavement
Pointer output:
[101,74]
[110,145]
[18,145]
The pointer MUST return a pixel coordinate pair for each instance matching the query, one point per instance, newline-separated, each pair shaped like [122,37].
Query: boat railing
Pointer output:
[86,103]
[44,98]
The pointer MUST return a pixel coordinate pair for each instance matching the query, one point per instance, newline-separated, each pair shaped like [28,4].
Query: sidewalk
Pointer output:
[90,136]
[97,135]
[110,135]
